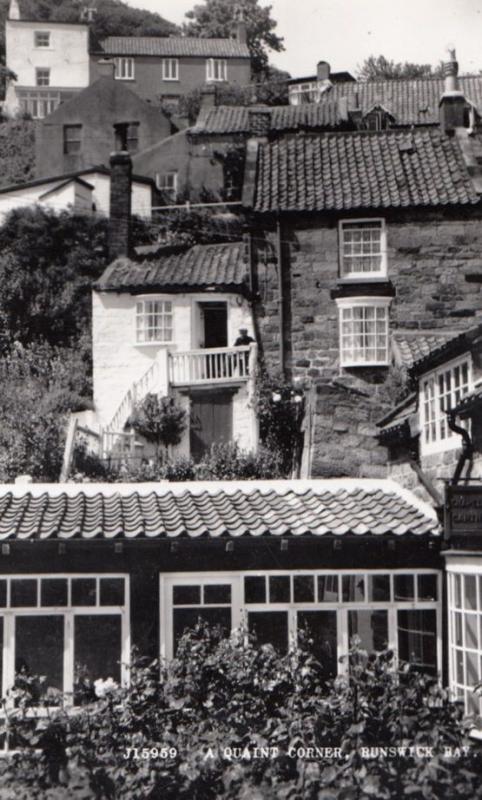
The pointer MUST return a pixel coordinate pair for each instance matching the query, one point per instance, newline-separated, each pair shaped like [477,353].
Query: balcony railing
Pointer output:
[213,365]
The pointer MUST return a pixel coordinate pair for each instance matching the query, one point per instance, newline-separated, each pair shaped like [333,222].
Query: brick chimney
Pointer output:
[105,68]
[259,123]
[323,71]
[120,204]
[14,10]
[453,108]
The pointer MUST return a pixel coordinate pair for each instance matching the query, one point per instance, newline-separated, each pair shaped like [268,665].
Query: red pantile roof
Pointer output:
[348,171]
[410,102]
[253,509]
[411,347]
[217,265]
[235,119]
[174,46]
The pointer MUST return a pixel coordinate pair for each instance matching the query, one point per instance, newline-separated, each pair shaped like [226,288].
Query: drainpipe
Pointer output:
[467,447]
[280,297]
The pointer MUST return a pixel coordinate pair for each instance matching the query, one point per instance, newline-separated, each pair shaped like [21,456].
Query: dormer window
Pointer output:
[363,249]
[441,390]
[42,39]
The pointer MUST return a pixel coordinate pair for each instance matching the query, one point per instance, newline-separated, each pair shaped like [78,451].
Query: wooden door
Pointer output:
[211,421]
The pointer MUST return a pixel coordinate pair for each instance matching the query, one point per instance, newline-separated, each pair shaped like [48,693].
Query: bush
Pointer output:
[227,462]
[159,420]
[226,719]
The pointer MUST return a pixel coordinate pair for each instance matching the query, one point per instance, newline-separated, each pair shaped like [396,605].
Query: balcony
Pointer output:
[226,365]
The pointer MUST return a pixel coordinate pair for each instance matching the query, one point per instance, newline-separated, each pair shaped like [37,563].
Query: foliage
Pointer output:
[227,462]
[17,151]
[159,420]
[185,228]
[280,418]
[229,720]
[215,18]
[380,68]
[40,385]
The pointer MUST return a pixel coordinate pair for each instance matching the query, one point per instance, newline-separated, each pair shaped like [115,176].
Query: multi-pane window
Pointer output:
[166,182]
[170,69]
[216,69]
[42,38]
[124,69]
[42,76]
[73,629]
[300,93]
[39,104]
[465,635]
[153,321]
[364,331]
[72,139]
[440,391]
[394,609]
[362,248]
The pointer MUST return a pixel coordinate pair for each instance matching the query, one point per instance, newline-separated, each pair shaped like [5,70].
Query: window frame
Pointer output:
[68,612]
[124,68]
[452,441]
[39,70]
[212,67]
[33,102]
[143,298]
[461,567]
[240,609]
[363,302]
[170,191]
[362,275]
[72,141]
[170,69]
[40,34]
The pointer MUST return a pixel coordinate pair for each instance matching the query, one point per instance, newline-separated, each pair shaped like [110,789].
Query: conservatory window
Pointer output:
[364,331]
[465,634]
[440,391]
[363,248]
[153,321]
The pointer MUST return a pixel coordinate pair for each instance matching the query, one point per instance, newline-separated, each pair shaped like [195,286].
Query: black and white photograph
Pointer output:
[240,400]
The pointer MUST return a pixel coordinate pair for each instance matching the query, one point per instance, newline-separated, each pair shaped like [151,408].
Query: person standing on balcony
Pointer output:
[243,338]
[242,361]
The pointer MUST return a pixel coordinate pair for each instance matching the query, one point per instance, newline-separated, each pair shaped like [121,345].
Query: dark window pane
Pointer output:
[1,656]
[3,593]
[427,587]
[378,588]
[279,589]
[186,595]
[321,628]
[304,588]
[97,646]
[470,593]
[39,648]
[53,592]
[371,627]
[83,591]
[217,594]
[186,618]
[404,587]
[353,588]
[112,591]
[23,593]
[328,589]
[270,627]
[255,589]
[417,639]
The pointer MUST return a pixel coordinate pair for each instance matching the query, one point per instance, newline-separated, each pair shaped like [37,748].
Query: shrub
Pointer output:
[227,462]
[280,419]
[159,420]
[190,729]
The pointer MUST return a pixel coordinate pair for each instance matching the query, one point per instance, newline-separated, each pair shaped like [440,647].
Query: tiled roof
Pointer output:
[344,171]
[455,345]
[253,509]
[410,102]
[396,422]
[235,119]
[173,46]
[220,265]
[411,347]
[470,403]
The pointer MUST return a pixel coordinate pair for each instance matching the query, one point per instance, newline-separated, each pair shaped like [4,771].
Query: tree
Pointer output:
[17,151]
[216,18]
[379,68]
[159,420]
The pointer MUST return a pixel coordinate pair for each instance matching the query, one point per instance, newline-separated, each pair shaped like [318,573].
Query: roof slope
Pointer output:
[343,171]
[410,102]
[174,46]
[276,508]
[219,265]
[235,119]
[413,346]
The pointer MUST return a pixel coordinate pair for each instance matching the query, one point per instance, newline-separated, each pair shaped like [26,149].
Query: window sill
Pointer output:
[170,80]
[364,277]
[361,365]
[153,344]
[123,79]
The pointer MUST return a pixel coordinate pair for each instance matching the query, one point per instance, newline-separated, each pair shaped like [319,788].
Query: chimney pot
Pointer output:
[453,105]
[120,204]
[323,71]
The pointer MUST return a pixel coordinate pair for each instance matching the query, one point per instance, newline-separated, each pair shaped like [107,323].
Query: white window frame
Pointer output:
[46,77]
[152,298]
[69,612]
[239,609]
[216,70]
[344,259]
[124,68]
[307,92]
[42,35]
[458,568]
[435,435]
[163,179]
[39,104]
[170,69]
[349,303]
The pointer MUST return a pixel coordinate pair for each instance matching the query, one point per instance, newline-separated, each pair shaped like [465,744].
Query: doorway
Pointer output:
[214,324]
[211,421]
